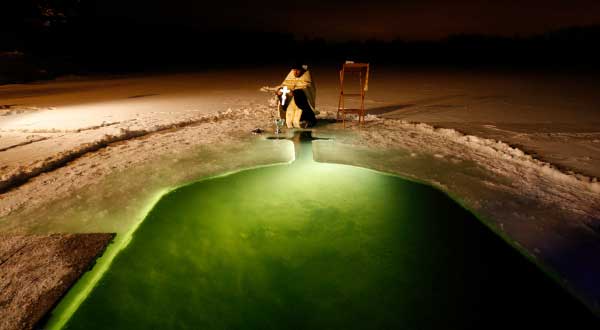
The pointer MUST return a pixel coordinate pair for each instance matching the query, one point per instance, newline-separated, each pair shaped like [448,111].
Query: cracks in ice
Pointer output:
[28,141]
[22,174]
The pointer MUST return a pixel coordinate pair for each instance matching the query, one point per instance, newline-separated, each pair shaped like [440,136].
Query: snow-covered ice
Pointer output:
[521,151]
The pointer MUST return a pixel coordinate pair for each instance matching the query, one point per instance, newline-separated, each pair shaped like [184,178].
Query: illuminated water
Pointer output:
[318,246]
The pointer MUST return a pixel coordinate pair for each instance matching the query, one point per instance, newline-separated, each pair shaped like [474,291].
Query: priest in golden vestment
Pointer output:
[298,93]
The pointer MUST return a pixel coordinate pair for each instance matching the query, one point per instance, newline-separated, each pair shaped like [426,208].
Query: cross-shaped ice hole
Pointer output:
[302,140]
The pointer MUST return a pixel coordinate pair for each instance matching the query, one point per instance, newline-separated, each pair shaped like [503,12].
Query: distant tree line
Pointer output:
[65,36]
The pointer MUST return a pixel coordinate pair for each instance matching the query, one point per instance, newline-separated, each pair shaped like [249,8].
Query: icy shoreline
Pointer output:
[535,205]
[58,177]
[553,217]
[17,176]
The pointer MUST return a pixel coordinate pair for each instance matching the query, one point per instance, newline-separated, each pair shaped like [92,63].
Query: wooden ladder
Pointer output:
[362,70]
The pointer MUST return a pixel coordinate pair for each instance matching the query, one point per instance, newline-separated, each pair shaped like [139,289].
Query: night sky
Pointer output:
[340,20]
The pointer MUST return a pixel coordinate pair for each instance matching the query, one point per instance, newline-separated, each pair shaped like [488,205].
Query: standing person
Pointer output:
[300,109]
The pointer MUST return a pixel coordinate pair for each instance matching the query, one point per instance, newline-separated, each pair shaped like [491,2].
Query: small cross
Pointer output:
[284,91]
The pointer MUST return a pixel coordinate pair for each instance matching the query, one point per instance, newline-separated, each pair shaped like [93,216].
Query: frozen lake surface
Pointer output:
[554,116]
[519,150]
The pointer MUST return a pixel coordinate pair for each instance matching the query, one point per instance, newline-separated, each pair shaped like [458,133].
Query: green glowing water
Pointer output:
[317,246]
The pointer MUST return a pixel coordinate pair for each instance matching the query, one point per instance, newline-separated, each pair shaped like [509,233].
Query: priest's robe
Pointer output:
[301,106]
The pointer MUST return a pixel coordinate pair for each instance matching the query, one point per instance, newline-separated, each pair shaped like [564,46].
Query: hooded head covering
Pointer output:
[299,64]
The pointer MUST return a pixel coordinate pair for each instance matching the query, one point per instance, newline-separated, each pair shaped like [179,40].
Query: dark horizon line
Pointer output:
[298,37]
[514,36]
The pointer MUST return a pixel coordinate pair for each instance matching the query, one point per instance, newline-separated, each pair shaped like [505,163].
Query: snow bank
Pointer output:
[21,174]
[500,150]
[512,169]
